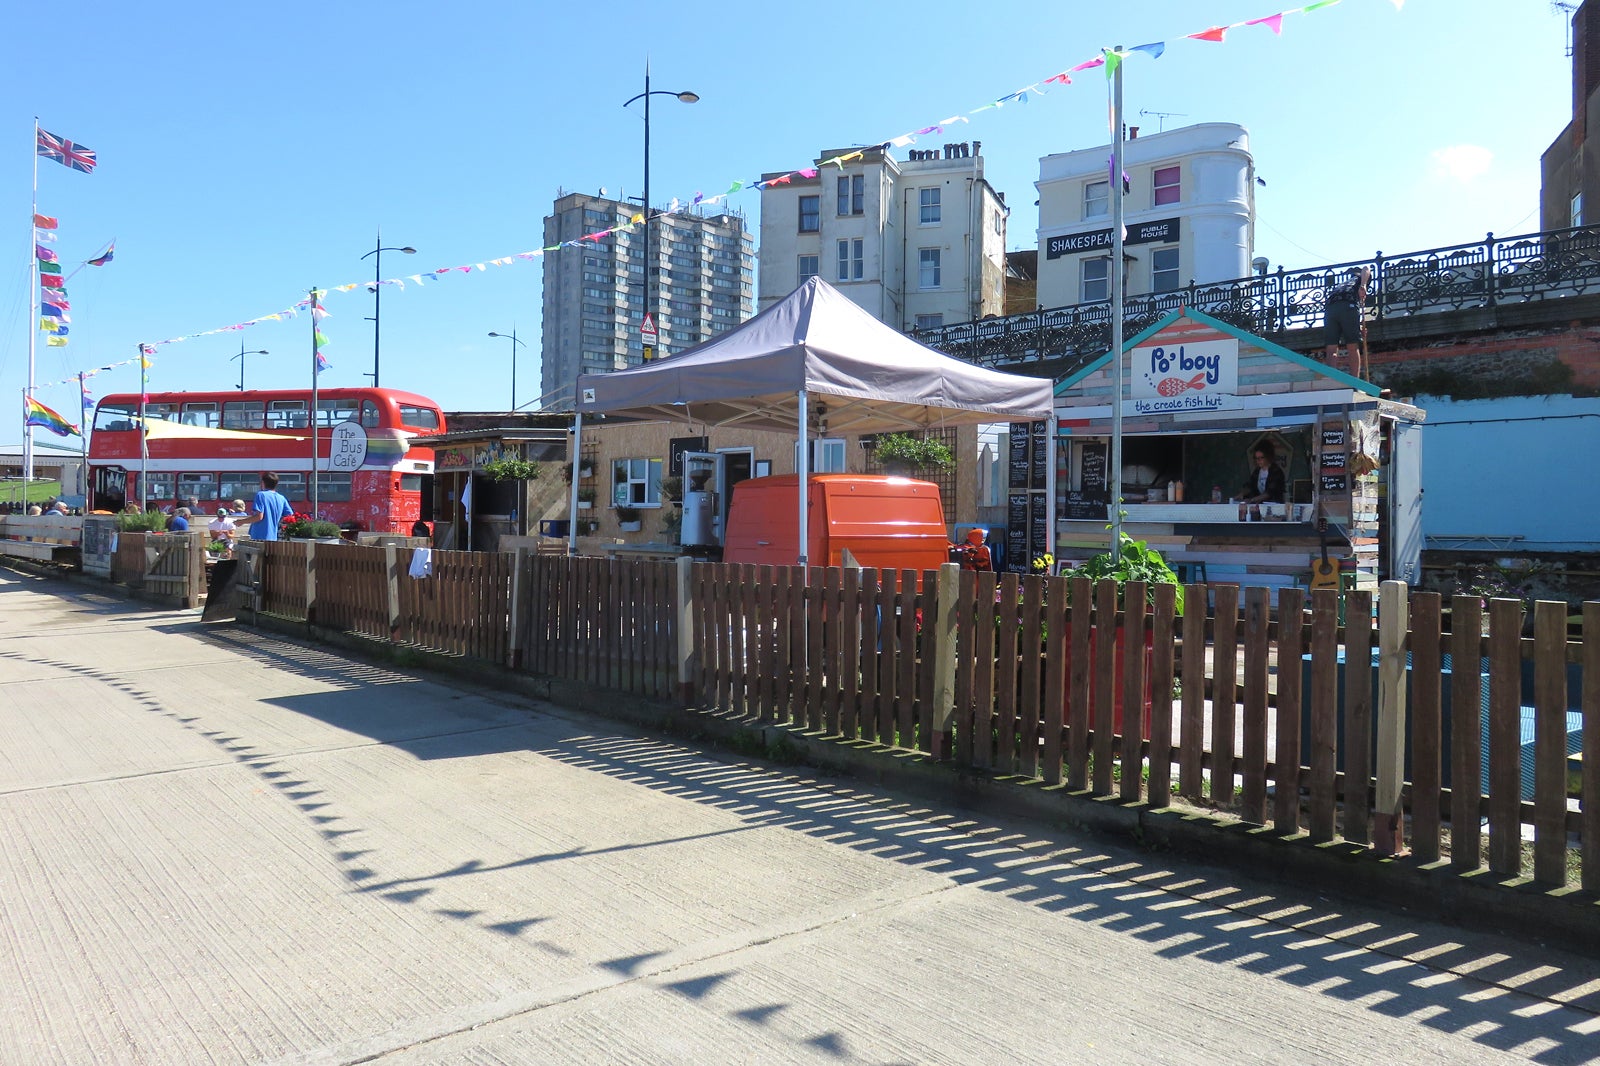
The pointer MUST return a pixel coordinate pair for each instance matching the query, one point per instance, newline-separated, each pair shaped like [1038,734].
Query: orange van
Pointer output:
[885,522]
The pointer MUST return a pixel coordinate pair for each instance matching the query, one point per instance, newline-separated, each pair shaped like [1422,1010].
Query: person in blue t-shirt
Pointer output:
[268,510]
[179,522]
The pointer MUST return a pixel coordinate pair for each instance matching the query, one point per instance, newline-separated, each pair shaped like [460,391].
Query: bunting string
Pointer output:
[1108,60]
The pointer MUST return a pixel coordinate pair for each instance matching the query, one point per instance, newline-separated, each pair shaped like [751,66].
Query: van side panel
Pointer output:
[885,522]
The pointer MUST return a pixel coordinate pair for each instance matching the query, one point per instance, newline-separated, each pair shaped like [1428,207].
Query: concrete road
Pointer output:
[221,846]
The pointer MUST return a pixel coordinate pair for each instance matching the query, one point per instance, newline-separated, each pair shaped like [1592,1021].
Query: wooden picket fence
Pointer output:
[1297,711]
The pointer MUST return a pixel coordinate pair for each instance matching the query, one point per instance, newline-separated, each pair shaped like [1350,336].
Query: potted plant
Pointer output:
[671,488]
[629,518]
[511,468]
[1136,561]
[586,496]
[903,454]
[586,468]
[305,527]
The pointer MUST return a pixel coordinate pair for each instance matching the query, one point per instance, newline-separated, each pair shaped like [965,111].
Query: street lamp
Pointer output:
[688,98]
[377,295]
[512,337]
[240,357]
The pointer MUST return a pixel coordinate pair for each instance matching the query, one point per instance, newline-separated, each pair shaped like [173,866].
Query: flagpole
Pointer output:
[144,433]
[83,442]
[315,406]
[1116,311]
[33,318]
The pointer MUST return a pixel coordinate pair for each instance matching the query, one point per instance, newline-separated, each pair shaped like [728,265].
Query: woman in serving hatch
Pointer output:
[1266,482]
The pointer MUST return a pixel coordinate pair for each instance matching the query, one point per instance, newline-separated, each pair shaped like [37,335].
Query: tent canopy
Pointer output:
[871,378]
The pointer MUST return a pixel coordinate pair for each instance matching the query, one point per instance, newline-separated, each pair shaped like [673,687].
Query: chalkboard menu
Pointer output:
[1017,461]
[1039,475]
[1333,437]
[1090,506]
[1017,557]
[1333,460]
[1038,530]
[1334,483]
[1093,472]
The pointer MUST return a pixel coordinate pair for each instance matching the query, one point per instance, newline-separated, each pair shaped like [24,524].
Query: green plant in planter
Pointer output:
[671,489]
[628,514]
[511,468]
[143,522]
[586,494]
[1137,561]
[917,453]
[671,524]
[217,547]
[304,527]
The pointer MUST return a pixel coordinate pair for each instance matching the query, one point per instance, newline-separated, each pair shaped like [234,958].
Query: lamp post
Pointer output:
[377,295]
[240,357]
[688,98]
[512,336]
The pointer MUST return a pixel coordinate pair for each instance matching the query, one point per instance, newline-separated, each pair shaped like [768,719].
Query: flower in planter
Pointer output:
[306,527]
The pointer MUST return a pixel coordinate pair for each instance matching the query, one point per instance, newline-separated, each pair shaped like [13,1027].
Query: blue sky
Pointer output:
[247,154]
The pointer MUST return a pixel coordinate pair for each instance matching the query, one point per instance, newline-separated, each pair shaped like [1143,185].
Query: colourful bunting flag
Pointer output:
[51,281]
[37,414]
[49,268]
[1215,33]
[44,222]
[104,258]
[1271,22]
[322,363]
[44,255]
[55,342]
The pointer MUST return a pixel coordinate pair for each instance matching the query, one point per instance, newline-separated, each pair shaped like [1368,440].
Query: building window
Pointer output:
[636,482]
[929,322]
[1097,199]
[1577,209]
[1096,280]
[1164,270]
[928,206]
[852,194]
[827,456]
[850,260]
[927,268]
[808,267]
[1167,185]
[810,214]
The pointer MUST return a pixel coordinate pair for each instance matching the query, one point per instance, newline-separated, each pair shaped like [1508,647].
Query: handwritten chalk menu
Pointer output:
[1017,557]
[1092,473]
[1085,506]
[1038,476]
[1038,531]
[1335,483]
[1018,462]
[1333,460]
[1333,436]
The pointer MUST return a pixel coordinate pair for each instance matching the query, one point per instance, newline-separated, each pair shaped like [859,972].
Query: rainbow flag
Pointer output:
[37,414]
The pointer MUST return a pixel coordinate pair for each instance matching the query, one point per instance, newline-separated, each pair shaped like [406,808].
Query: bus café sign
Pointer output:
[348,448]
[1168,378]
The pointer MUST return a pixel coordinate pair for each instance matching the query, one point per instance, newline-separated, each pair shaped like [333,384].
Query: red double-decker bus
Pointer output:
[371,474]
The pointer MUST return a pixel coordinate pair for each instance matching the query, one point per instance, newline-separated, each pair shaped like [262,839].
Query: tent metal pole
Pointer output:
[1117,298]
[803,467]
[572,500]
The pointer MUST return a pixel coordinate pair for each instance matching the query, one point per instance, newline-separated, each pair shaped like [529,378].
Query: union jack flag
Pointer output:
[65,152]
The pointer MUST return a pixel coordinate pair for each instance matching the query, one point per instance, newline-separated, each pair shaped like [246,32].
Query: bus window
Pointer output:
[203,486]
[332,412]
[159,486]
[410,482]
[369,414]
[238,486]
[418,417]
[165,411]
[333,486]
[243,414]
[286,414]
[293,486]
[116,417]
[203,415]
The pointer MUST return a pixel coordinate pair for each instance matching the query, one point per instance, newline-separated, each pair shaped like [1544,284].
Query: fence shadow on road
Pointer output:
[1488,988]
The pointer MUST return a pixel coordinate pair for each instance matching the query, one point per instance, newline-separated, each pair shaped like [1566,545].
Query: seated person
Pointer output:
[975,554]
[1266,483]
[222,527]
[179,522]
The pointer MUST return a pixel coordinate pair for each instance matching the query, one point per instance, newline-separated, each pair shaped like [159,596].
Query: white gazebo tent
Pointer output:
[814,345]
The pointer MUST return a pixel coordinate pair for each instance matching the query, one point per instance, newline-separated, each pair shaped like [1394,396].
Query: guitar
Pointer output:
[1324,572]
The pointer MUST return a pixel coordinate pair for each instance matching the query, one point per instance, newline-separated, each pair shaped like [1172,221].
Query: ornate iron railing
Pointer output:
[1532,268]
